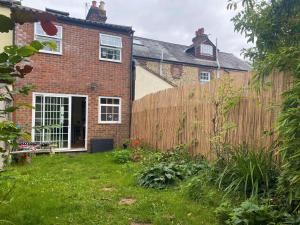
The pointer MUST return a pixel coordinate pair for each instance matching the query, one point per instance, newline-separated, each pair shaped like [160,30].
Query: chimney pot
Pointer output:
[97,14]
[200,32]
[102,5]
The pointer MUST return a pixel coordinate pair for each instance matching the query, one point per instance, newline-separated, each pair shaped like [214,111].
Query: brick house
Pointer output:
[161,65]
[84,86]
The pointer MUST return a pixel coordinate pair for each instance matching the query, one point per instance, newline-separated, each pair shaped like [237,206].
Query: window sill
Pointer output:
[109,123]
[50,53]
[110,60]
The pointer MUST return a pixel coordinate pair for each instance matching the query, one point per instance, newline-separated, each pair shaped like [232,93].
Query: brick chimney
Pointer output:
[97,14]
[200,37]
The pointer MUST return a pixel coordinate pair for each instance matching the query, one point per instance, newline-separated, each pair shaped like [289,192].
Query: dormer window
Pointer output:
[206,50]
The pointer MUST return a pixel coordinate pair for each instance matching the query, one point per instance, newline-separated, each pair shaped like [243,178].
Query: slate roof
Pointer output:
[151,49]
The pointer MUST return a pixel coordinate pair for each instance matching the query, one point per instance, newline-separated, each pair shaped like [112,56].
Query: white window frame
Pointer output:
[34,94]
[114,105]
[101,46]
[204,80]
[204,50]
[50,38]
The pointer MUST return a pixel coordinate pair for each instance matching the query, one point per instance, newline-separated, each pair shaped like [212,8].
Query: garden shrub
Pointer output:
[199,190]
[250,213]
[122,156]
[164,169]
[160,175]
[250,171]
[223,212]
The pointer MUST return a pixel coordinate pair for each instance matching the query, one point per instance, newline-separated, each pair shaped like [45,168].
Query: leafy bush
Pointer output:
[250,171]
[249,213]
[198,189]
[122,156]
[223,212]
[160,175]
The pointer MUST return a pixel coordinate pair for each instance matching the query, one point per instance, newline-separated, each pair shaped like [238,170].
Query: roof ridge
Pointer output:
[150,39]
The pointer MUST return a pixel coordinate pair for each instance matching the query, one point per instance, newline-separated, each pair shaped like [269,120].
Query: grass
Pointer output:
[68,189]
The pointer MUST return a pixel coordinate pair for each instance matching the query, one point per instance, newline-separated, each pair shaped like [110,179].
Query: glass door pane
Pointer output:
[52,115]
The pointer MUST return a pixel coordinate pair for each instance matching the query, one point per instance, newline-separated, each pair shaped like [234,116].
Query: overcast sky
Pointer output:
[167,20]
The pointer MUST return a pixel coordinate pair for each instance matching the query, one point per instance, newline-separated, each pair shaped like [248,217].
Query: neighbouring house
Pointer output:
[160,65]
[83,89]
[6,38]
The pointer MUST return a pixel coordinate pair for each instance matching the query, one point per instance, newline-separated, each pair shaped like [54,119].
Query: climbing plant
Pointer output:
[15,64]
[225,99]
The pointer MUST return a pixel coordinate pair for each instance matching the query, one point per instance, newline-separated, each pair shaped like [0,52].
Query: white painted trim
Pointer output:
[112,36]
[50,37]
[34,94]
[203,46]
[70,123]
[110,60]
[202,80]
[99,110]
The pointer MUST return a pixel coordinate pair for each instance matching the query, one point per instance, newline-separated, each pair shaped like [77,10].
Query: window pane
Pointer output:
[111,53]
[103,117]
[109,117]
[39,31]
[109,101]
[112,41]
[204,76]
[44,39]
[109,109]
[116,109]
[116,101]
[206,49]
[103,109]
[103,100]
[116,117]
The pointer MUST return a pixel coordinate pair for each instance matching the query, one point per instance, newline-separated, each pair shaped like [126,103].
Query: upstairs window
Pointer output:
[109,110]
[204,77]
[206,50]
[40,35]
[110,48]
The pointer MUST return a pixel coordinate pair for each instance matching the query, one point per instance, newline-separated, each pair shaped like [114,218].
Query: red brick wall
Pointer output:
[75,70]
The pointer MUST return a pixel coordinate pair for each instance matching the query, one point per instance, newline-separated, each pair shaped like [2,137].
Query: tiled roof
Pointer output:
[152,49]
[61,17]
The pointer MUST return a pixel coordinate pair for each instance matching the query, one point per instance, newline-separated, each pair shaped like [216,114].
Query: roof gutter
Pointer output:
[185,63]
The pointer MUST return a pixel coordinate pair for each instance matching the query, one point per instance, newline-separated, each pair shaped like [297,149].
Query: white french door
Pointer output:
[52,120]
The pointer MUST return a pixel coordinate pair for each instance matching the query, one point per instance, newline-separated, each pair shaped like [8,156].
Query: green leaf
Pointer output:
[6,24]
[3,57]
[15,59]
[50,44]
[26,51]
[7,78]
[37,45]
[11,50]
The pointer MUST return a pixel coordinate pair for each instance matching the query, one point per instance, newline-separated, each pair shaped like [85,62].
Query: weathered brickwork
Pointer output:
[75,71]
[189,74]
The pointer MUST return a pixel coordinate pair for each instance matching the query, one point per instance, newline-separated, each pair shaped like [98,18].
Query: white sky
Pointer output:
[166,20]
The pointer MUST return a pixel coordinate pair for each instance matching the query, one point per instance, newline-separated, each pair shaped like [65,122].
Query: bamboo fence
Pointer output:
[184,115]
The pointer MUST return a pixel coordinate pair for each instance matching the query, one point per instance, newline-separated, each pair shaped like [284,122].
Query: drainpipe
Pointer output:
[217,58]
[132,82]
[161,63]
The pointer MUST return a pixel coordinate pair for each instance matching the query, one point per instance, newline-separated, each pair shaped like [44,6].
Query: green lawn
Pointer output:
[68,189]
